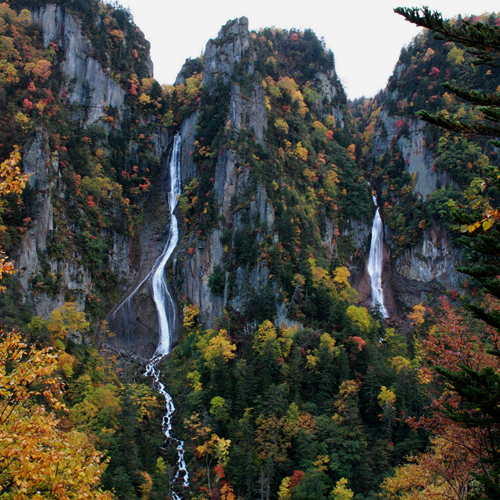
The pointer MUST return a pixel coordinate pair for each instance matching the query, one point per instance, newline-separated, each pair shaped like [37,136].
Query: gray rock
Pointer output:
[226,50]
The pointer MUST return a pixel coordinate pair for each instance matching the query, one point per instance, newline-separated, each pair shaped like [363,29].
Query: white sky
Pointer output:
[365,36]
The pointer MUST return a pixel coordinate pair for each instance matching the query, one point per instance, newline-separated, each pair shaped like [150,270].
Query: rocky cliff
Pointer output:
[80,244]
[417,168]
[247,207]
[275,202]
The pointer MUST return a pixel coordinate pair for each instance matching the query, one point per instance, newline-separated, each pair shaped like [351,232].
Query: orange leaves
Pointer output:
[41,69]
[416,317]
[443,473]
[11,179]
[351,150]
[453,342]
[38,460]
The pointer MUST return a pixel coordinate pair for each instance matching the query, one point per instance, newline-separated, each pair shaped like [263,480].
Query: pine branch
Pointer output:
[481,40]
[474,96]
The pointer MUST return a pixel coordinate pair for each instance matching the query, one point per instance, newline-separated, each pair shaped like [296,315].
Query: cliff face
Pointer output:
[56,260]
[417,157]
[230,179]
[246,211]
[275,200]
[42,163]
[415,174]
[86,83]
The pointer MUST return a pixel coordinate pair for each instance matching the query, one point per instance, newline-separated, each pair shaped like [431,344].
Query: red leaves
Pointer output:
[296,478]
[27,105]
[434,72]
[361,342]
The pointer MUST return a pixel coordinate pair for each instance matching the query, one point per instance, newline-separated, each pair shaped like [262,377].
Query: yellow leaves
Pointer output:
[341,275]
[312,361]
[284,492]
[11,179]
[195,378]
[65,320]
[347,293]
[360,316]
[328,343]
[66,362]
[444,472]
[321,462]
[286,340]
[386,398]
[455,56]
[203,150]
[341,491]
[401,364]
[219,348]
[417,316]
[301,152]
[222,449]
[41,460]
[117,36]
[490,217]
[21,119]
[288,84]
[144,99]
[320,276]
[8,73]
[191,312]
[28,376]
[281,126]
[45,462]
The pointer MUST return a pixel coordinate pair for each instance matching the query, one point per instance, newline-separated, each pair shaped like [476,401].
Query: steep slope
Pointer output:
[92,141]
[283,384]
[271,180]
[416,168]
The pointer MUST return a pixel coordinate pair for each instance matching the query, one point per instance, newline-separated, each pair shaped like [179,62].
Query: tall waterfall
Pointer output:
[375,261]
[166,312]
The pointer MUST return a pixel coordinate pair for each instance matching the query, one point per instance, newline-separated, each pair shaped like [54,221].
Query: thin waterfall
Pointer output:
[375,261]
[165,308]
[166,313]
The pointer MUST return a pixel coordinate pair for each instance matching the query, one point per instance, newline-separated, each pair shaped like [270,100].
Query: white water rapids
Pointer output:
[375,261]
[166,311]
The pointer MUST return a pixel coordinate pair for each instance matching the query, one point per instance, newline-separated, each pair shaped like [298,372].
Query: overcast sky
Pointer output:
[365,35]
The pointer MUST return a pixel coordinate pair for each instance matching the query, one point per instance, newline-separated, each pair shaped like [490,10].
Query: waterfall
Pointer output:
[166,312]
[375,261]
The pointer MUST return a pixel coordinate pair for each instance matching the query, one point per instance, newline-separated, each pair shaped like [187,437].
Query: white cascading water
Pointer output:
[375,261]
[166,310]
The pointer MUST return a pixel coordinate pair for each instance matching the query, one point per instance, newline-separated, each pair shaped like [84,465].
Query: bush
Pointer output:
[217,281]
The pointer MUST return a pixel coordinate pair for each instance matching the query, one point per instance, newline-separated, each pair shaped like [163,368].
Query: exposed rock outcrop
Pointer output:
[87,83]
[227,50]
[417,157]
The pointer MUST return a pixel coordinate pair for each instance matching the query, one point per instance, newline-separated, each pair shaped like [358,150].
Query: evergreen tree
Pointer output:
[479,389]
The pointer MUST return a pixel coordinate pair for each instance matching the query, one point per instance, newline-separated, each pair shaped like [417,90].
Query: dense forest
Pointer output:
[300,389]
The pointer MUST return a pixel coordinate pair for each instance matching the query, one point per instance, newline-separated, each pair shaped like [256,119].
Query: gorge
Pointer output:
[218,244]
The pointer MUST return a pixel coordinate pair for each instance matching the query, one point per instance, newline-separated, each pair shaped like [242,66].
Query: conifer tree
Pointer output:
[478,389]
